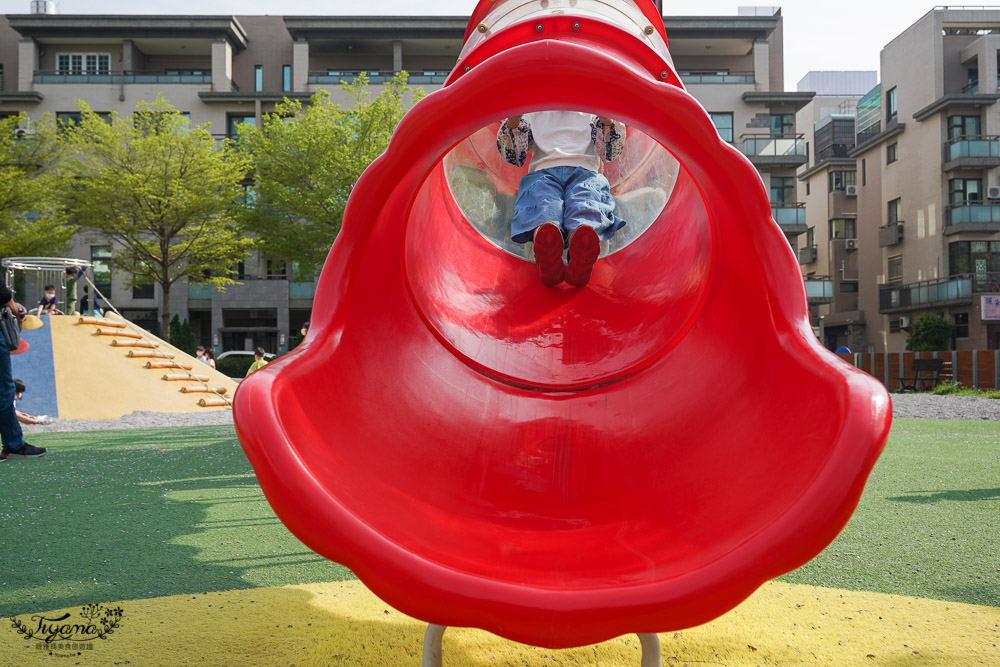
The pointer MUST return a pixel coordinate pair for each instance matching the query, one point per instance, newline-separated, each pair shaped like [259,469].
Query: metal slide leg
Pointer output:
[650,650]
[432,645]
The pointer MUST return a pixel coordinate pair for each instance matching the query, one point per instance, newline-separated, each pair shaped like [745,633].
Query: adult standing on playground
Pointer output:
[73,276]
[14,445]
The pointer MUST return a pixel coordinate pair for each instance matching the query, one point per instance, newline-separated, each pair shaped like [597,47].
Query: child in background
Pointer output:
[258,361]
[563,200]
[24,417]
[49,303]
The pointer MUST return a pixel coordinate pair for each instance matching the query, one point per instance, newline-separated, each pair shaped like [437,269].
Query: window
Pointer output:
[66,118]
[782,189]
[895,210]
[249,197]
[277,269]
[810,237]
[100,258]
[143,291]
[724,124]
[961,190]
[239,271]
[961,325]
[894,326]
[864,173]
[807,189]
[258,78]
[891,153]
[972,80]
[286,78]
[236,121]
[782,123]
[891,108]
[895,269]
[843,228]
[83,63]
[979,257]
[963,126]
[839,180]
[848,288]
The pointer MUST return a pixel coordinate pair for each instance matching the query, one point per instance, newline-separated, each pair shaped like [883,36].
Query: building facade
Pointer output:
[230,70]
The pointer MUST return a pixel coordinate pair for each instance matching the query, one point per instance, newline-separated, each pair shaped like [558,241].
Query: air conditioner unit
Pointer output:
[993,192]
[852,244]
[852,191]
[904,323]
[21,133]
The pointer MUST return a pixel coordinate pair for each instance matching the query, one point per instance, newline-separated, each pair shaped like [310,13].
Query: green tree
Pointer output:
[32,223]
[306,160]
[182,336]
[164,193]
[930,333]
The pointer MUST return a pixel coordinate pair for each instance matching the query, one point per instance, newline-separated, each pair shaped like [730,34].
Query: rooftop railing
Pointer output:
[712,76]
[337,76]
[774,145]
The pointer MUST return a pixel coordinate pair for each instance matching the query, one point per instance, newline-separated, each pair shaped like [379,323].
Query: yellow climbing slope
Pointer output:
[105,371]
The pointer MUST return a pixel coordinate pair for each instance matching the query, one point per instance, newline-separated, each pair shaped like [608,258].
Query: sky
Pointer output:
[842,35]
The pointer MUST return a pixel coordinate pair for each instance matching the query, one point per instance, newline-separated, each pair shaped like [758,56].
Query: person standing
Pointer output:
[11,436]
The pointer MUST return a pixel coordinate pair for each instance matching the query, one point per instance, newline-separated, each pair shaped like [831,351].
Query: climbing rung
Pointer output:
[118,332]
[100,321]
[150,353]
[177,377]
[213,402]
[204,390]
[168,364]
[133,343]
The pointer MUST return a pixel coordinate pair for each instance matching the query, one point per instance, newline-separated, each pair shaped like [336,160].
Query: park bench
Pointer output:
[917,381]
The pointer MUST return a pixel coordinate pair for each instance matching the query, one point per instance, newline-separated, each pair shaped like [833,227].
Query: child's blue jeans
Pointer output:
[567,196]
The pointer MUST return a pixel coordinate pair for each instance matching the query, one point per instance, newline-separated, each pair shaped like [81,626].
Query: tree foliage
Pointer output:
[32,222]
[930,333]
[164,193]
[307,159]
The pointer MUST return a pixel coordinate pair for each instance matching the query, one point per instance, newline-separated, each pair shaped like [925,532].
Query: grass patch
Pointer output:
[134,514]
[955,389]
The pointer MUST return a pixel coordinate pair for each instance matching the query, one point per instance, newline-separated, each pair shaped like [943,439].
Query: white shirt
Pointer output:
[562,139]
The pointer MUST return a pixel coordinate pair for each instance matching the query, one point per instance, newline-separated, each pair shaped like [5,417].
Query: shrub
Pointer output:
[930,333]
[235,366]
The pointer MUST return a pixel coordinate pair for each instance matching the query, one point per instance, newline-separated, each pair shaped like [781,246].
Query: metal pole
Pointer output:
[432,645]
[650,650]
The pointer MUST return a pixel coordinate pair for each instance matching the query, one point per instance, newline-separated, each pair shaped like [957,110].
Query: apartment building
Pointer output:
[828,190]
[229,70]
[928,181]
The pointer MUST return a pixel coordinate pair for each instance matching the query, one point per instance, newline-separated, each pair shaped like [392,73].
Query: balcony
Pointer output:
[972,152]
[336,77]
[808,254]
[775,150]
[890,234]
[711,76]
[972,216]
[790,216]
[819,290]
[126,76]
[953,290]
[986,282]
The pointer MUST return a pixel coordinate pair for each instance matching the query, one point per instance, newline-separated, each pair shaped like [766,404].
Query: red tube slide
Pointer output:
[562,465]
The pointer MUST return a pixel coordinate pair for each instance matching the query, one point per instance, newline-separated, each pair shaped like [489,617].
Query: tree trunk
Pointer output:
[165,312]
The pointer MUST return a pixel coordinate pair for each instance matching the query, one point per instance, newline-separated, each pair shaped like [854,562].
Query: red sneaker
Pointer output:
[548,249]
[584,247]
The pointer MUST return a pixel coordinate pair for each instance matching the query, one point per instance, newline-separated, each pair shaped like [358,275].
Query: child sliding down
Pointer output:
[563,200]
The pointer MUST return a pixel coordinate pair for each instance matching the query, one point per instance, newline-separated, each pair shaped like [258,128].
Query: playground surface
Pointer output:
[170,526]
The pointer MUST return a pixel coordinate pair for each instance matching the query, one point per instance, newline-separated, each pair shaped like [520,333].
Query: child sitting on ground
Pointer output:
[24,417]
[49,303]
[563,200]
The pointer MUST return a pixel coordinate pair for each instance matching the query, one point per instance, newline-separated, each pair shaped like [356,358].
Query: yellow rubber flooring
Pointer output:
[95,380]
[343,623]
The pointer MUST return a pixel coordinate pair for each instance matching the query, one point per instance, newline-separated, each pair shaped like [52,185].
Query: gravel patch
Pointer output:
[138,419]
[928,406]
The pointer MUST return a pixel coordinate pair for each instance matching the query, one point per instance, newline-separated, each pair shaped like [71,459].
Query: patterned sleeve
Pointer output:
[608,139]
[514,144]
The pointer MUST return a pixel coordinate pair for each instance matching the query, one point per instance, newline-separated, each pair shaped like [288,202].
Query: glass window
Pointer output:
[782,189]
[782,123]
[961,190]
[277,269]
[891,106]
[83,63]
[896,210]
[891,153]
[961,325]
[258,78]
[100,258]
[839,180]
[143,291]
[848,287]
[895,269]
[963,126]
[959,258]
[843,228]
[724,124]
[864,173]
[286,78]
[236,121]
[810,237]
[249,197]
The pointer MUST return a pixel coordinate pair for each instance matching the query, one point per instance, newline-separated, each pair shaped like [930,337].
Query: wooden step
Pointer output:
[179,377]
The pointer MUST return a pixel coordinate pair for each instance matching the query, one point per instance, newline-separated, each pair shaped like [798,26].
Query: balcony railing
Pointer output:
[971,89]
[808,254]
[819,289]
[953,289]
[974,146]
[789,213]
[712,76]
[972,211]
[890,234]
[986,282]
[123,76]
[774,145]
[336,76]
